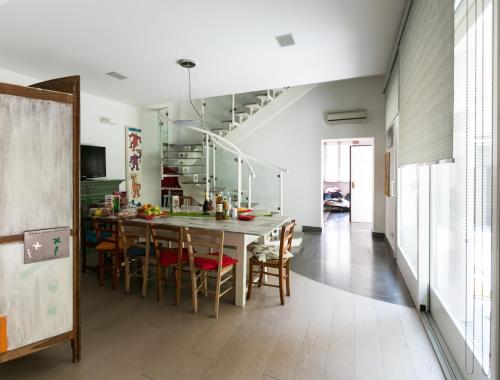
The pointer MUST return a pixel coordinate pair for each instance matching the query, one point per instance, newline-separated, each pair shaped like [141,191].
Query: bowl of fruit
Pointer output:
[149,211]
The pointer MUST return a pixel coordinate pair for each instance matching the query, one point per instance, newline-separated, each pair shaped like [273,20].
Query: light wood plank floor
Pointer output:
[321,333]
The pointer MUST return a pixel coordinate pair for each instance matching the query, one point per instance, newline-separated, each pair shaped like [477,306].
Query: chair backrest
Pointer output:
[286,238]
[166,236]
[134,234]
[105,229]
[203,243]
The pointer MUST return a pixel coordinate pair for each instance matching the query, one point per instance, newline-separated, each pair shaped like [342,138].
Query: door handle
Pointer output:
[353,185]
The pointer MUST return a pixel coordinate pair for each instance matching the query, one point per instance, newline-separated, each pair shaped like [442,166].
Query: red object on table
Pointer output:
[246,217]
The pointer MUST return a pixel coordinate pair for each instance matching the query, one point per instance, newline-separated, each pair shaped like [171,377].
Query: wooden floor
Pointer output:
[321,333]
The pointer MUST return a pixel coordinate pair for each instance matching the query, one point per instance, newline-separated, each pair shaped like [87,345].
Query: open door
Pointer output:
[39,217]
[362,183]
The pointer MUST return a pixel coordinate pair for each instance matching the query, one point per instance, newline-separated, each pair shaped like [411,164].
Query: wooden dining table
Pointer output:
[238,234]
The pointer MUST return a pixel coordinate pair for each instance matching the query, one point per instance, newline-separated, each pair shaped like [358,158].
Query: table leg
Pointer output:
[237,248]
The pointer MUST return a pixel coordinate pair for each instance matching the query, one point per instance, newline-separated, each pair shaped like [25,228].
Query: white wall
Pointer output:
[93,132]
[293,140]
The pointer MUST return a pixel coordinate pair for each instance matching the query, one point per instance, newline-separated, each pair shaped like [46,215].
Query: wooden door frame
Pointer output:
[62,90]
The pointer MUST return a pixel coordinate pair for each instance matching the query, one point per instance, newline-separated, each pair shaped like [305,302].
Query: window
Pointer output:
[337,162]
[408,214]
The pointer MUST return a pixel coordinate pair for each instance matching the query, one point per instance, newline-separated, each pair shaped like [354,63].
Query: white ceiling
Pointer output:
[233,42]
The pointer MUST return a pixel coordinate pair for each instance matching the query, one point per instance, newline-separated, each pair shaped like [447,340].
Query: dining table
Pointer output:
[238,234]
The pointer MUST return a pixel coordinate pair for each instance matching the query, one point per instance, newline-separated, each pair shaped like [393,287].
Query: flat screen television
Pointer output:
[92,161]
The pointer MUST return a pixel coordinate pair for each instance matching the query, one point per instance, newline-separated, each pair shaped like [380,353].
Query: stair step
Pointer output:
[230,123]
[264,98]
[253,107]
[183,147]
[278,91]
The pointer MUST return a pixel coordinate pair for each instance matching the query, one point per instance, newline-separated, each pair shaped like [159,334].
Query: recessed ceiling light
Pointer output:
[285,40]
[116,75]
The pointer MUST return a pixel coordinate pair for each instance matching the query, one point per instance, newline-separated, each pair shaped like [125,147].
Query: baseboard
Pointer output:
[393,254]
[312,229]
[378,235]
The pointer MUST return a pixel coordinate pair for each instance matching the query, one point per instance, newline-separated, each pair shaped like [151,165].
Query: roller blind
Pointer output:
[392,96]
[426,83]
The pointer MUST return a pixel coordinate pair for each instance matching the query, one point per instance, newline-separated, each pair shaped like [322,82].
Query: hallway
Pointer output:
[347,257]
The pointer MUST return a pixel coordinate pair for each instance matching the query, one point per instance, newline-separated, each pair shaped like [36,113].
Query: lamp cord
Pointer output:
[190,99]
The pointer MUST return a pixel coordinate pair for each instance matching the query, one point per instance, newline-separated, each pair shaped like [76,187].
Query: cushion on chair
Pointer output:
[91,236]
[105,246]
[138,252]
[168,256]
[264,252]
[209,264]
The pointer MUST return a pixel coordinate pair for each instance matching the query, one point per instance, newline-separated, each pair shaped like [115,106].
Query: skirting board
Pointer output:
[312,229]
[378,235]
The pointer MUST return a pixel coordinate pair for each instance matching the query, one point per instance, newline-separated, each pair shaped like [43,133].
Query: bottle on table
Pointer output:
[205,205]
[219,207]
[225,207]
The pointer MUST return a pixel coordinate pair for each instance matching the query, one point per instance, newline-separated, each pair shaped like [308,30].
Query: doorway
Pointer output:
[347,180]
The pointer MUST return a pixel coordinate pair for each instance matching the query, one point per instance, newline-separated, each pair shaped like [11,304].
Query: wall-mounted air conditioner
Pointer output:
[346,117]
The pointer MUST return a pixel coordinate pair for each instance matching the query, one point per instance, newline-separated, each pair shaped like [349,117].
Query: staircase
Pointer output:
[237,109]
[185,166]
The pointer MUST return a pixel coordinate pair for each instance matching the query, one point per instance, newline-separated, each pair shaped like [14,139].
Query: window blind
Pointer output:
[426,83]
[392,97]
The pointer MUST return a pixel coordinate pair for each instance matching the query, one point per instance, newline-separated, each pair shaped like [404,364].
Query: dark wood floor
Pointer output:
[347,257]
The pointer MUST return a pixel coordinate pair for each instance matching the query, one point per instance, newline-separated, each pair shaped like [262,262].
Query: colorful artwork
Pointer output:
[134,164]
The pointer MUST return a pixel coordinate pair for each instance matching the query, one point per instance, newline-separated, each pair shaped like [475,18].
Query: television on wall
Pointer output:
[93,161]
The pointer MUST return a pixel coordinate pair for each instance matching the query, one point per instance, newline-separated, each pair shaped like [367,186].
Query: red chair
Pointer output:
[170,253]
[209,258]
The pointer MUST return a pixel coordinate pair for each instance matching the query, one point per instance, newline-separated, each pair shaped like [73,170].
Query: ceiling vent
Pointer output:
[285,40]
[116,75]
[346,117]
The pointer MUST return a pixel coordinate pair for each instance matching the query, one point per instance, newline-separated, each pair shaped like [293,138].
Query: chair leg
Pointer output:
[205,284]
[145,275]
[261,276]
[194,290]
[288,278]
[127,274]
[101,268]
[178,284]
[282,296]
[234,284]
[217,295]
[250,280]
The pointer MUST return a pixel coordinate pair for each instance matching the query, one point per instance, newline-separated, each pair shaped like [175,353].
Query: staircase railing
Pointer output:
[241,158]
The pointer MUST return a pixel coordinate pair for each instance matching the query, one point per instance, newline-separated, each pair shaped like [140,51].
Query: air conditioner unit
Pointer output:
[346,117]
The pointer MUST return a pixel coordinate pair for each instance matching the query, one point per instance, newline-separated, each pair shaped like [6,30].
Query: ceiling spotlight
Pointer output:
[116,75]
[285,40]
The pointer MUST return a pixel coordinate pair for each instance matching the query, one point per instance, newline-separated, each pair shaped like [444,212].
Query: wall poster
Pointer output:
[134,164]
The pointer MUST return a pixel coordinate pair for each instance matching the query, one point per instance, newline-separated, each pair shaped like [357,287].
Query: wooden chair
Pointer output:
[90,239]
[170,253]
[136,243]
[107,234]
[267,256]
[209,258]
